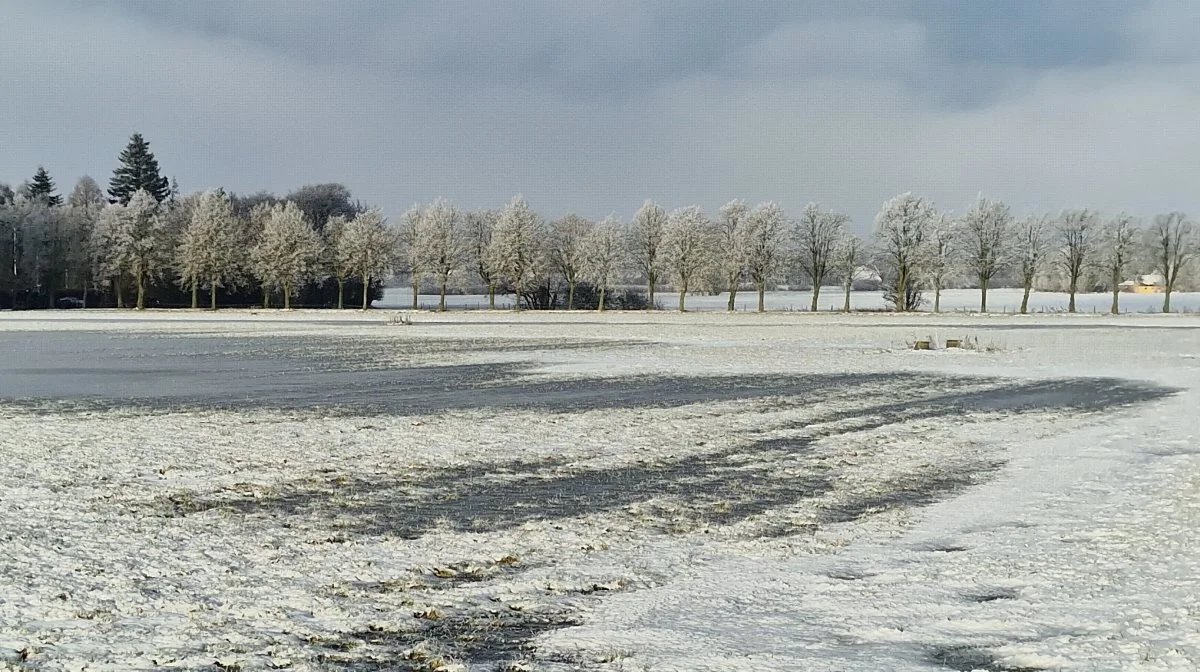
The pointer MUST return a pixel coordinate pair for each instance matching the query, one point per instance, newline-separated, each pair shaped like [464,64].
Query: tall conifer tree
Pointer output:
[138,170]
[41,188]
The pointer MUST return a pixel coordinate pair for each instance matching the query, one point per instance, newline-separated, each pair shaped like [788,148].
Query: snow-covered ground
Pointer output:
[617,492]
[1001,300]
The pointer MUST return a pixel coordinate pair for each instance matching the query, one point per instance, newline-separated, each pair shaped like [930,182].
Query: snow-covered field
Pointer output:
[1001,300]
[629,491]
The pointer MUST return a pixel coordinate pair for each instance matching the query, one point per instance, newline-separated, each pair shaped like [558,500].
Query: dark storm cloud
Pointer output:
[595,106]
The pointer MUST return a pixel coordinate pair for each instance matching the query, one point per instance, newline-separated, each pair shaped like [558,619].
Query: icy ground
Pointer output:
[254,490]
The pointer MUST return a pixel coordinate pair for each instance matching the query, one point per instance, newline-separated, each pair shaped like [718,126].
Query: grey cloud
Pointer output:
[596,106]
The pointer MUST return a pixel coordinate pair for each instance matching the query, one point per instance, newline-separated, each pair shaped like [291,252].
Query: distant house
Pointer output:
[1151,283]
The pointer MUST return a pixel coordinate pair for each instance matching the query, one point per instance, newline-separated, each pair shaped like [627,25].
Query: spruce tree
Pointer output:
[138,170]
[42,188]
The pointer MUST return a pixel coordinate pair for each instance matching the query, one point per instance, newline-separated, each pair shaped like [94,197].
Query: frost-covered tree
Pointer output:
[87,195]
[409,251]
[732,242]
[818,233]
[1173,244]
[287,254]
[567,248]
[479,227]
[83,211]
[516,251]
[943,255]
[604,255]
[209,253]
[645,244]
[1117,244]
[1077,234]
[902,247]
[335,255]
[847,257]
[1030,250]
[986,229]
[443,247]
[145,241]
[765,244]
[138,172]
[369,249]
[109,259]
[687,248]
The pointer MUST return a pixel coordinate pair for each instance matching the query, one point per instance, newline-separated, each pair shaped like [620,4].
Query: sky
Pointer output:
[593,107]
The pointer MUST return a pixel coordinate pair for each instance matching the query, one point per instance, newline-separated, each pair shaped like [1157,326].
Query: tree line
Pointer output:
[318,246]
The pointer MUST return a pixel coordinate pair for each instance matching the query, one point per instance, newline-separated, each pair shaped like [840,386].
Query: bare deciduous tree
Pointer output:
[479,227]
[604,255]
[687,248]
[443,245]
[986,228]
[645,243]
[818,234]
[765,244]
[287,252]
[1031,247]
[1118,243]
[368,248]
[108,257]
[943,255]
[902,247]
[408,252]
[1077,232]
[1174,245]
[334,254]
[84,205]
[567,248]
[847,257]
[516,251]
[733,246]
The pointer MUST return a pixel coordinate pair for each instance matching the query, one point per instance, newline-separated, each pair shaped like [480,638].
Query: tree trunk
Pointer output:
[341,290]
[287,296]
[846,305]
[491,296]
[442,299]
[141,290]
[1025,297]
[570,295]
[119,289]
[212,296]
[266,297]
[983,287]
[416,287]
[1116,290]
[762,291]
[1167,298]
[518,297]
[816,295]
[1071,289]
[650,287]
[937,297]
[195,293]
[682,299]
[732,294]
[366,292]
